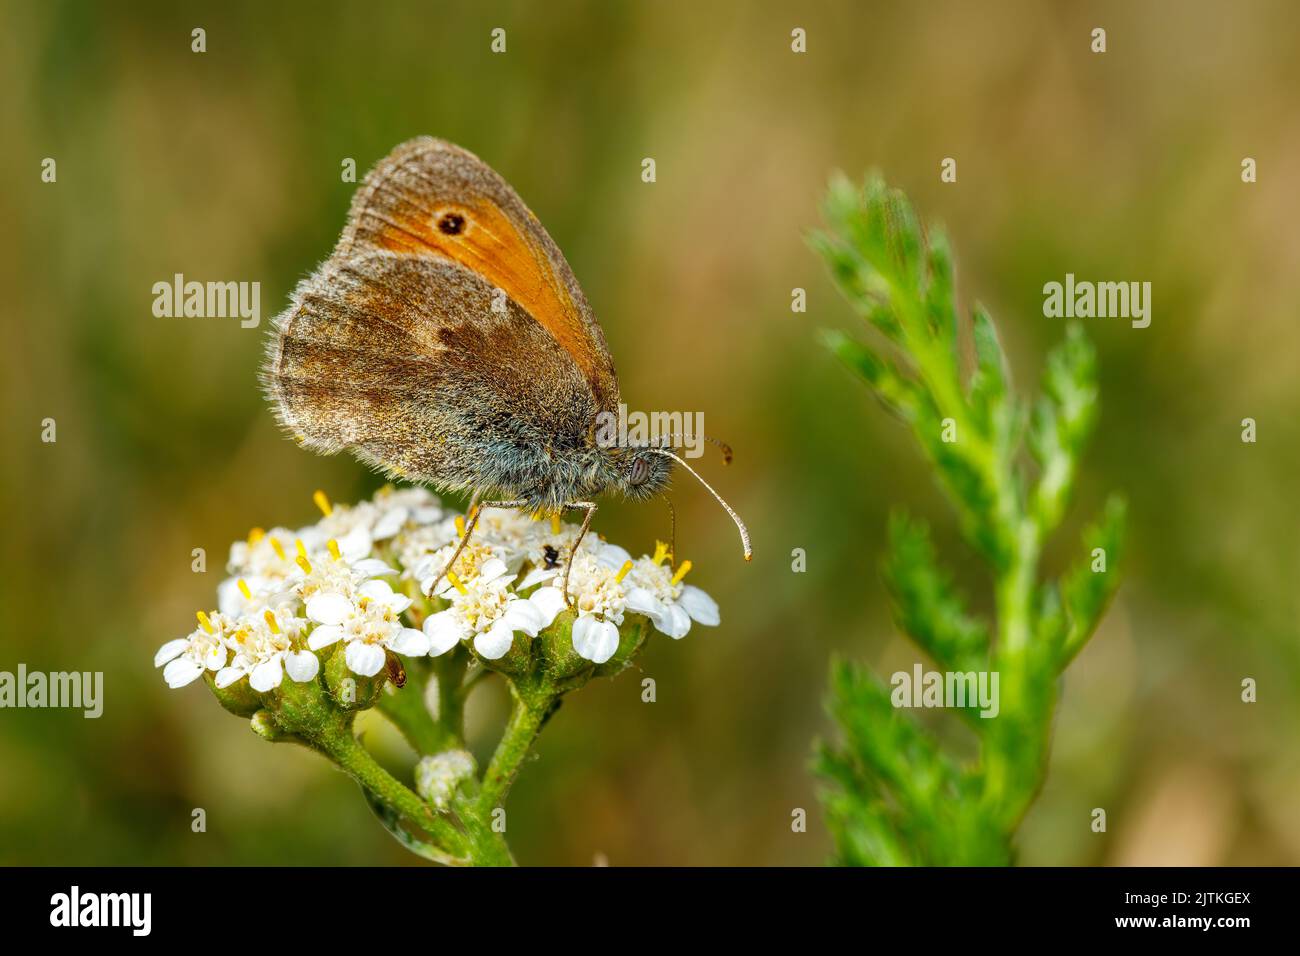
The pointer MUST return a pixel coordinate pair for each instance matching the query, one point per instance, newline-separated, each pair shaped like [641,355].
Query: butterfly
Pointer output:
[446,341]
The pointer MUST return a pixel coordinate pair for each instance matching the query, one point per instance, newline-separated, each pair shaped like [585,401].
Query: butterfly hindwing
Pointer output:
[414,364]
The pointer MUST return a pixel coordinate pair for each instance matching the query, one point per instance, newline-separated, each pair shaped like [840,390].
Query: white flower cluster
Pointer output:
[349,578]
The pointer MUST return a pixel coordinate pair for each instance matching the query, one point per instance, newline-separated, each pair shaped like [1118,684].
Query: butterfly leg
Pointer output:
[476,509]
[590,508]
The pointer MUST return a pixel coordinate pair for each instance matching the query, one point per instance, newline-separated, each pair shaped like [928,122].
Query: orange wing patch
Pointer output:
[482,238]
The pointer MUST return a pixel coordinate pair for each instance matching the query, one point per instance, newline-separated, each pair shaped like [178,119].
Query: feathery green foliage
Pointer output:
[893,795]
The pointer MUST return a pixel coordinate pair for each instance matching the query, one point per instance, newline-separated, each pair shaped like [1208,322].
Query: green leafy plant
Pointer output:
[894,794]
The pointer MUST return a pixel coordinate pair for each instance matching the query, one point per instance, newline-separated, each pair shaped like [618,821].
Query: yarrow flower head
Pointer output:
[372,582]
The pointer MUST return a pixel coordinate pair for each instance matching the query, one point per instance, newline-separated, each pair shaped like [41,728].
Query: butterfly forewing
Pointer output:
[432,198]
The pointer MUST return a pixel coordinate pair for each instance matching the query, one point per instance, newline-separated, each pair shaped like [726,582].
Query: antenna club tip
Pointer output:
[749,555]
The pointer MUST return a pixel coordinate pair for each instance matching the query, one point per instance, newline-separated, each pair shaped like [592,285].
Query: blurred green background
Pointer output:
[226,166]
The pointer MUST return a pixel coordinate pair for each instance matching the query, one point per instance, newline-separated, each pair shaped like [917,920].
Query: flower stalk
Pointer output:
[530,706]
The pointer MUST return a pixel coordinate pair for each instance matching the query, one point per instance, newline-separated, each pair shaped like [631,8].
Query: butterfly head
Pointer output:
[639,473]
[642,472]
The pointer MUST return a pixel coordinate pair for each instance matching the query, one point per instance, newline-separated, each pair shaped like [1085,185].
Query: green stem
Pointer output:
[346,751]
[487,846]
[406,709]
[527,712]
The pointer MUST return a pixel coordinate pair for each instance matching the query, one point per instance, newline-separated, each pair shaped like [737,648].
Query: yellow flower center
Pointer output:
[681,571]
[322,502]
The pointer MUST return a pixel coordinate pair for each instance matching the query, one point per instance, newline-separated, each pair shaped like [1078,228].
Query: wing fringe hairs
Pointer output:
[892,793]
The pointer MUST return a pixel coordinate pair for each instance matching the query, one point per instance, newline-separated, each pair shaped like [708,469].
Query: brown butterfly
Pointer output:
[447,341]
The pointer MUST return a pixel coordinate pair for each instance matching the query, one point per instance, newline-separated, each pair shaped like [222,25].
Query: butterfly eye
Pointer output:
[640,471]
[451,224]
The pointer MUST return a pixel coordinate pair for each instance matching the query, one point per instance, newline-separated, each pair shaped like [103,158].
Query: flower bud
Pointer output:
[438,776]
[263,724]
[300,708]
[562,661]
[238,698]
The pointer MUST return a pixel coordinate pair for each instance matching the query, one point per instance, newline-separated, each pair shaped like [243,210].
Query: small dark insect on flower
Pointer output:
[396,672]
[552,556]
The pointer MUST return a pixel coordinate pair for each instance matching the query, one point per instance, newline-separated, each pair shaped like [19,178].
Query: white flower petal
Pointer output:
[227,676]
[301,665]
[356,544]
[230,600]
[366,660]
[170,651]
[389,523]
[674,622]
[372,568]
[494,643]
[524,616]
[328,608]
[536,576]
[612,556]
[443,632]
[548,601]
[594,640]
[699,606]
[266,675]
[492,569]
[313,538]
[643,601]
[324,636]
[380,591]
[181,671]
[410,642]
[216,657]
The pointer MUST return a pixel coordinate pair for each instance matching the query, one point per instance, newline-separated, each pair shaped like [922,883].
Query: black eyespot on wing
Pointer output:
[451,224]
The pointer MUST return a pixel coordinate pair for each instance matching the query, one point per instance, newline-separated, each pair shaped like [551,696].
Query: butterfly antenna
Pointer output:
[676,442]
[726,449]
[744,532]
[672,533]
